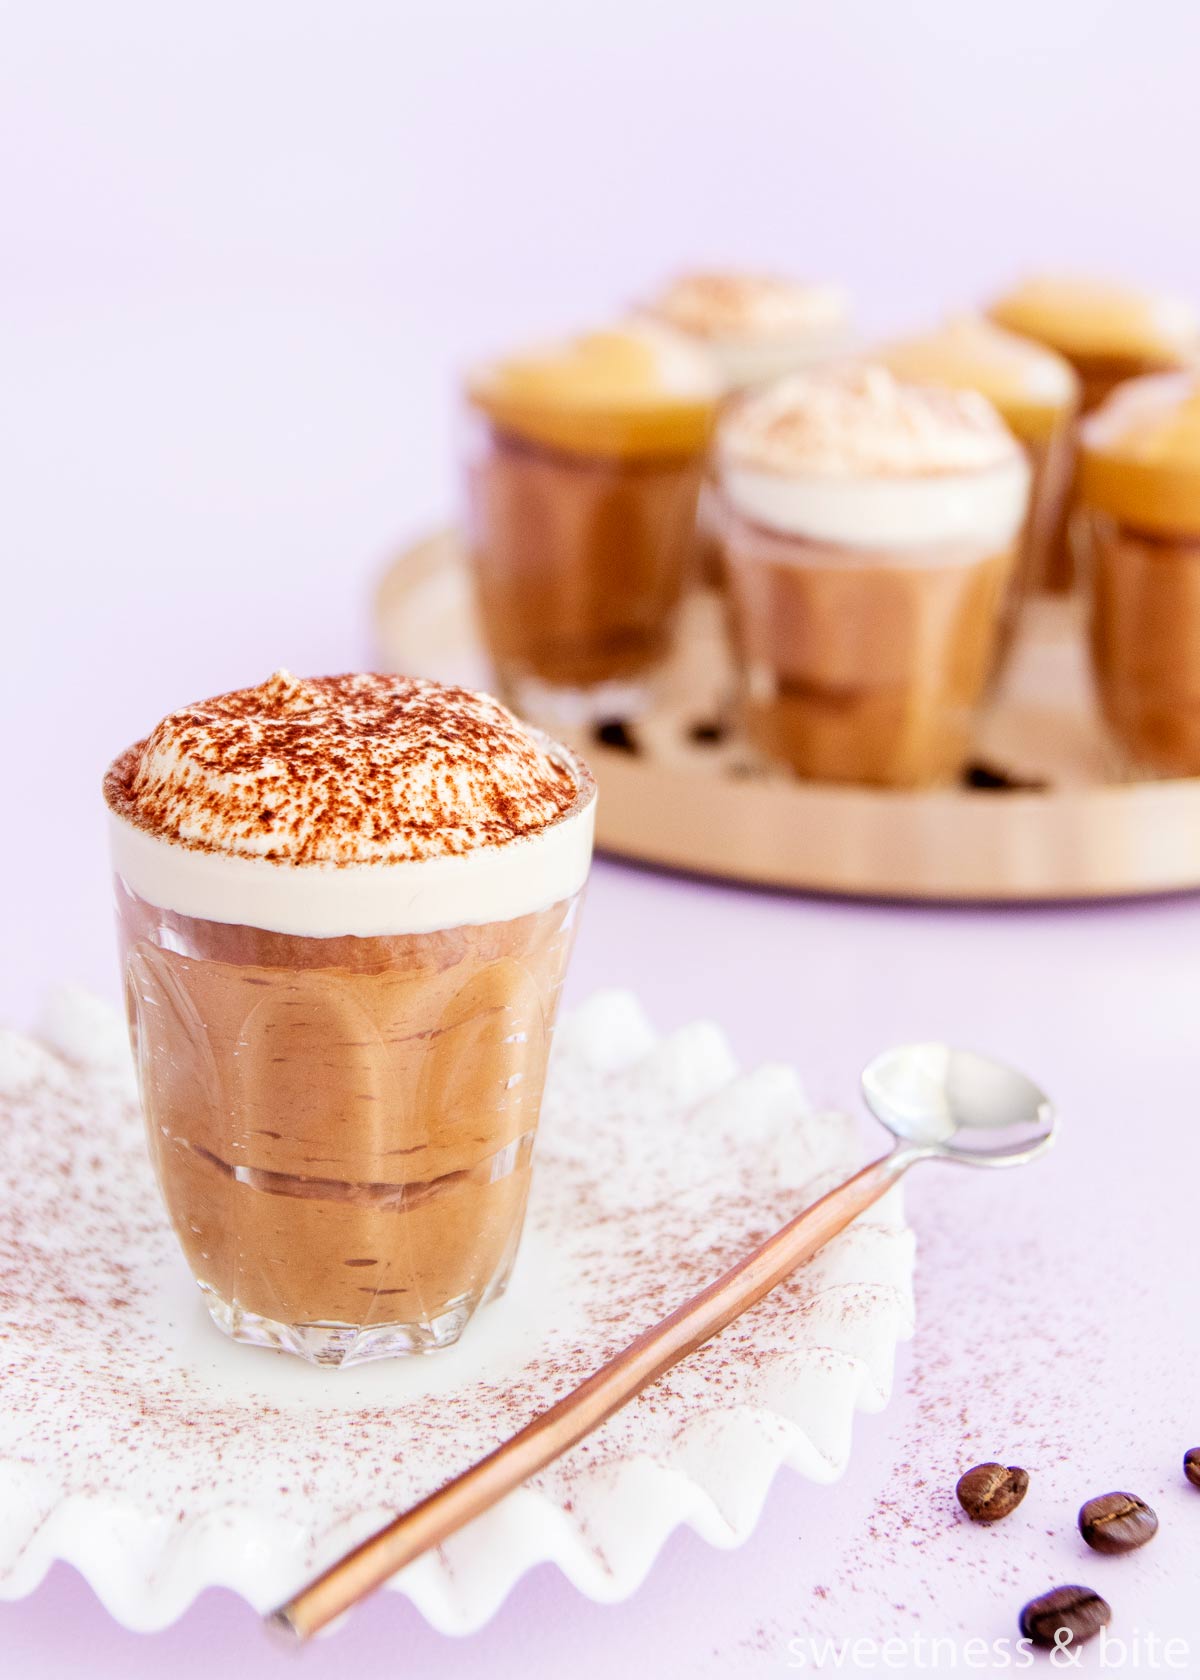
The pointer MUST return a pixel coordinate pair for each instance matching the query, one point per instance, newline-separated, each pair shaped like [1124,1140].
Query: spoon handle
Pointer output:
[565,1423]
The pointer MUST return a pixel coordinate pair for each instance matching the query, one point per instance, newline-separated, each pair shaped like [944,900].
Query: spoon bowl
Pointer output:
[959,1105]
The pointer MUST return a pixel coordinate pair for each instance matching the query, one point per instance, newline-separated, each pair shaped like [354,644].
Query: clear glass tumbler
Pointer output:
[580,564]
[863,665]
[1145,640]
[343,1128]
[1138,527]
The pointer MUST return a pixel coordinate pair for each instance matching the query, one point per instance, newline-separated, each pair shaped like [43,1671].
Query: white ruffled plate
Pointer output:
[159,1459]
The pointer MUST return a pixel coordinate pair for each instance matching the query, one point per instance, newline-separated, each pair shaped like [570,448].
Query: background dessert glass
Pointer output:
[1140,519]
[583,473]
[345,909]
[1036,393]
[870,531]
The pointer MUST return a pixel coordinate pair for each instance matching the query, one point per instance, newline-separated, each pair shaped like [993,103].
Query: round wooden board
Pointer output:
[1058,822]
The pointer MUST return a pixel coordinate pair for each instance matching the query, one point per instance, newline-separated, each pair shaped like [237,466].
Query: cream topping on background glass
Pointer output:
[854,455]
[1155,419]
[971,352]
[1140,453]
[755,326]
[631,389]
[1099,318]
[349,805]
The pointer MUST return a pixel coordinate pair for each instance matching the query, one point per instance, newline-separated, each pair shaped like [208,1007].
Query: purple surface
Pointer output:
[242,258]
[1054,1327]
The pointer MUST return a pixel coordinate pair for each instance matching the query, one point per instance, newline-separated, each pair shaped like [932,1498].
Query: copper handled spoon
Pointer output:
[939,1103]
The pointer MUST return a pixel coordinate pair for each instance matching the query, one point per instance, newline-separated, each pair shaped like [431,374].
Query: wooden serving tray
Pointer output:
[1043,813]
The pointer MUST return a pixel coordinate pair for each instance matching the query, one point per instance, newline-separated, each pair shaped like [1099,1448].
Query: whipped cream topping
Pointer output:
[637,389]
[637,361]
[854,455]
[681,370]
[350,805]
[755,327]
[1140,454]
[863,422]
[711,305]
[973,352]
[1155,419]
[350,769]
[1087,318]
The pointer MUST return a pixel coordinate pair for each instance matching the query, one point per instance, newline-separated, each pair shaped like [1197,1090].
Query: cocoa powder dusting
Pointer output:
[343,769]
[118,1389]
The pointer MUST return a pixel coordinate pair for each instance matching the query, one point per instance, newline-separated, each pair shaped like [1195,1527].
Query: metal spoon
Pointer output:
[939,1103]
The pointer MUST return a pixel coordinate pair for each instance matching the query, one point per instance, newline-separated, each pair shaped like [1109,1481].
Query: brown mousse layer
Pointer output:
[342,1128]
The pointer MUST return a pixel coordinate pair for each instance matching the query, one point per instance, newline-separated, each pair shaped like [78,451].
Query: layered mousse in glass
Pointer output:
[1107,332]
[1140,511]
[584,468]
[1036,393]
[870,532]
[345,908]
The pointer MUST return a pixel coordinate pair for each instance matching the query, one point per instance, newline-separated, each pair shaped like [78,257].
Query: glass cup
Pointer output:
[580,563]
[343,1128]
[584,467]
[1139,524]
[1109,334]
[1046,566]
[863,665]
[1145,640]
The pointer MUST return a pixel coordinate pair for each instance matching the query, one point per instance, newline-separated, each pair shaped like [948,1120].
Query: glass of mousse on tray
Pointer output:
[870,531]
[1139,490]
[345,908]
[584,467]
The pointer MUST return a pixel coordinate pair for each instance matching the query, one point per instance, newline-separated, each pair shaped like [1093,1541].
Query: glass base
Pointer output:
[341,1345]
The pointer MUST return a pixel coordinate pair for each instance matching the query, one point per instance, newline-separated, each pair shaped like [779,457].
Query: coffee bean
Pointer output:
[1117,1522]
[991,1491]
[616,733]
[707,734]
[1064,1616]
[1191,1465]
[987,778]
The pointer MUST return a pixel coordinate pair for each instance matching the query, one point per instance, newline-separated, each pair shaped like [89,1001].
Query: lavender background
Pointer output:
[245,247]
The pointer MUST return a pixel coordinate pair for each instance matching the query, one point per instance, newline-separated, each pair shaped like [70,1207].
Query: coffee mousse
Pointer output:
[346,906]
[584,470]
[870,534]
